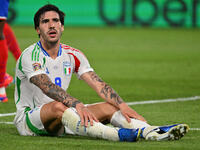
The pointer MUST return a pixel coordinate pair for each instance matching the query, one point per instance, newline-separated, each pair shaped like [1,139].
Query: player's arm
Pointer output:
[108,94]
[57,93]
[53,91]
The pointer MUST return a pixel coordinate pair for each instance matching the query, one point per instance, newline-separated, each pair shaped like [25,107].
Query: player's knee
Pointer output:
[109,111]
[59,109]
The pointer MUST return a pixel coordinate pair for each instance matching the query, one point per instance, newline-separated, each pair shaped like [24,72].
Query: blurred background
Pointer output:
[153,13]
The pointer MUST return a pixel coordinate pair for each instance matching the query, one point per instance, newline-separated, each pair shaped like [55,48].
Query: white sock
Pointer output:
[118,120]
[71,120]
[2,90]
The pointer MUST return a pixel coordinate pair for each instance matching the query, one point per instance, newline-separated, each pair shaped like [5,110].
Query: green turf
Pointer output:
[140,64]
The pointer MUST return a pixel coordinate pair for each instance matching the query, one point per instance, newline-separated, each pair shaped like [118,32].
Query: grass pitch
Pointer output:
[140,64]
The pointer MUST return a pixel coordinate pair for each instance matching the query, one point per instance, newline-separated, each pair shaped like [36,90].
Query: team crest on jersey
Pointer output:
[67,68]
[36,66]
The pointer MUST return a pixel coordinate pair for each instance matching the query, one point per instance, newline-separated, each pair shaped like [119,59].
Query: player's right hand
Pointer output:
[129,113]
[85,115]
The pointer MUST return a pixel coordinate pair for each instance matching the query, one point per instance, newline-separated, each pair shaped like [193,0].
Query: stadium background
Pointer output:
[145,49]
[156,13]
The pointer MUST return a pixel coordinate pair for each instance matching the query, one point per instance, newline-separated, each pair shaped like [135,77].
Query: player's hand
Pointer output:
[129,113]
[85,115]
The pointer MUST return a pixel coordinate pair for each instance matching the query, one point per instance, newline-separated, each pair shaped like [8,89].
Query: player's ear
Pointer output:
[62,28]
[38,30]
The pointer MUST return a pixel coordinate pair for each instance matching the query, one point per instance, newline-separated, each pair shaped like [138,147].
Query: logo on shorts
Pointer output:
[35,109]
[36,66]
[30,112]
[67,68]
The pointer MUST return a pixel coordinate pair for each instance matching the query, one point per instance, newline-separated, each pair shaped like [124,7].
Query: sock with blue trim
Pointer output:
[129,135]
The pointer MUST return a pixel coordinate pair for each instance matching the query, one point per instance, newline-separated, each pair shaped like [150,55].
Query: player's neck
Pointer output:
[51,48]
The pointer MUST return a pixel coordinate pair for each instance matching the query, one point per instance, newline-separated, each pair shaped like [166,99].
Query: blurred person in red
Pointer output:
[7,42]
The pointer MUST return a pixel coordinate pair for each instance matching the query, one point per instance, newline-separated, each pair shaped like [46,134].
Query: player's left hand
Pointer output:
[129,113]
[85,115]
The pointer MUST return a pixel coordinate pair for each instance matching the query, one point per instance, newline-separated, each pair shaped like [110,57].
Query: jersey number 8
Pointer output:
[58,81]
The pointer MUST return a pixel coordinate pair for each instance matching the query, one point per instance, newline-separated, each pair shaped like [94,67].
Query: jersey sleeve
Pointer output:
[31,64]
[81,63]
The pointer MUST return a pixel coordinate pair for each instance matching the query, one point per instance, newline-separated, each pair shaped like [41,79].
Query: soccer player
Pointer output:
[3,48]
[7,42]
[43,74]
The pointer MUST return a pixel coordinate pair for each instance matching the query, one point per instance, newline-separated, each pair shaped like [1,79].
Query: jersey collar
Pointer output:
[44,51]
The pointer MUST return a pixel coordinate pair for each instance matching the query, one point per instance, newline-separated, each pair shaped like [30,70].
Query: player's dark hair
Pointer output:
[45,8]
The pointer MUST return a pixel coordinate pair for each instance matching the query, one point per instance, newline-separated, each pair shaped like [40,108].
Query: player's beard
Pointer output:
[46,38]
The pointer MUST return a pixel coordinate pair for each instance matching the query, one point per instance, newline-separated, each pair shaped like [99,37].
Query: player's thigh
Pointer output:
[52,111]
[103,111]
[51,117]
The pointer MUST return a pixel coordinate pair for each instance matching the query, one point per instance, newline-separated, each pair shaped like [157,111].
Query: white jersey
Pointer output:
[35,60]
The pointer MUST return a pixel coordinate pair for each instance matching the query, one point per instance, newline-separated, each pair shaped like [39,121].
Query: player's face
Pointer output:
[50,27]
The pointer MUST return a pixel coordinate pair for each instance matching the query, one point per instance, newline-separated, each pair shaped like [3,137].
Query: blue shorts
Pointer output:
[4,9]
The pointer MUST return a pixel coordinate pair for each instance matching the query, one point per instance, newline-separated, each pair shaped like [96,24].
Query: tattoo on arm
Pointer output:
[106,90]
[53,91]
[110,93]
[95,77]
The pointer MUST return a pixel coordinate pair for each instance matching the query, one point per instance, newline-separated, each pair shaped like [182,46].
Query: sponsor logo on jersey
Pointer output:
[36,66]
[67,68]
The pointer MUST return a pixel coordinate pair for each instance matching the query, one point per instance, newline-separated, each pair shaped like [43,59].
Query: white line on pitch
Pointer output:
[8,114]
[141,102]
[165,100]
[195,129]
[6,122]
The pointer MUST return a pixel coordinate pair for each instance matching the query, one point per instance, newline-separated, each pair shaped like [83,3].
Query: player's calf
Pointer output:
[71,120]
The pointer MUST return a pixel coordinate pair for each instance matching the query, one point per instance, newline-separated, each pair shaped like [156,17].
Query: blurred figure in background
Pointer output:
[11,41]
[7,42]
